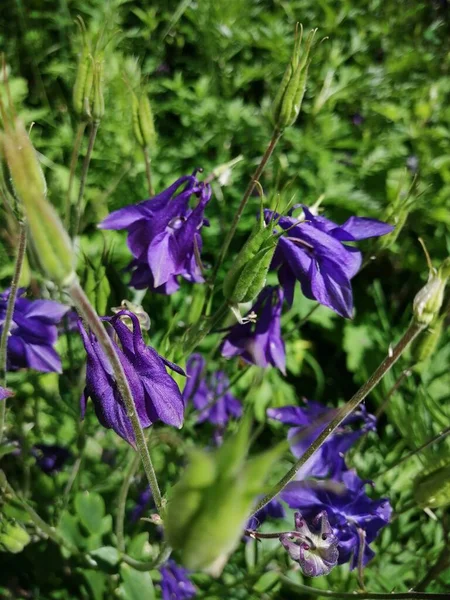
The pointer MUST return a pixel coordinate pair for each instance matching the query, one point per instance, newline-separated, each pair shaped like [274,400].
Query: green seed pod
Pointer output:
[98,102]
[426,345]
[51,242]
[432,490]
[88,90]
[247,276]
[213,499]
[428,300]
[288,101]
[79,87]
[135,118]
[146,122]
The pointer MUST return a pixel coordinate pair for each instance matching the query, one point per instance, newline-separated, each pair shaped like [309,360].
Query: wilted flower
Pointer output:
[164,235]
[50,458]
[312,419]
[33,333]
[316,553]
[210,396]
[313,253]
[260,343]
[175,583]
[348,511]
[155,393]
[273,509]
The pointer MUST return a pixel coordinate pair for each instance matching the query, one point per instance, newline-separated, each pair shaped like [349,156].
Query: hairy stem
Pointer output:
[84,173]
[73,164]
[148,171]
[410,334]
[255,178]
[9,317]
[121,502]
[90,316]
[306,589]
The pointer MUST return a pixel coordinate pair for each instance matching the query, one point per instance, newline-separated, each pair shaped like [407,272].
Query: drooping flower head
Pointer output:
[260,343]
[312,419]
[50,458]
[350,512]
[316,552]
[175,583]
[164,235]
[313,252]
[211,396]
[33,333]
[155,393]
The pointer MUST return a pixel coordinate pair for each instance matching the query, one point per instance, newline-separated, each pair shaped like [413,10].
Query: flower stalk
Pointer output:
[410,334]
[84,173]
[122,499]
[73,163]
[9,317]
[89,315]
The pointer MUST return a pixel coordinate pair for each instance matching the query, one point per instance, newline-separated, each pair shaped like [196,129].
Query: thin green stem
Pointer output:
[121,502]
[73,163]
[306,589]
[84,173]
[410,334]
[9,317]
[91,318]
[148,171]
[140,565]
[251,186]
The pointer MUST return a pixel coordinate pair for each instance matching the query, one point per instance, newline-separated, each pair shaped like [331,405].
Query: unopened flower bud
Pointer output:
[143,123]
[288,101]
[52,244]
[428,300]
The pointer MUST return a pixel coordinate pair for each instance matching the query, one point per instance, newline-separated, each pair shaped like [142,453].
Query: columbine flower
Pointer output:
[175,584]
[273,509]
[313,252]
[260,343]
[211,397]
[33,333]
[316,553]
[312,419]
[164,235]
[155,393]
[50,458]
[348,512]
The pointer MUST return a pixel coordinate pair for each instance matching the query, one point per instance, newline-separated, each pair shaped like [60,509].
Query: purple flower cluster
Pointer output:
[353,516]
[33,333]
[211,397]
[155,393]
[260,343]
[175,583]
[313,252]
[164,235]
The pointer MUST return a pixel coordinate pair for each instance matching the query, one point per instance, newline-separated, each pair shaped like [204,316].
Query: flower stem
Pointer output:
[84,173]
[306,589]
[276,135]
[9,317]
[139,565]
[73,164]
[410,334]
[123,494]
[148,171]
[90,316]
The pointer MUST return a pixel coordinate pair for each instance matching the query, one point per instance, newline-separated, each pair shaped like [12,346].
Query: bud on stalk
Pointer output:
[143,123]
[428,300]
[288,101]
[46,231]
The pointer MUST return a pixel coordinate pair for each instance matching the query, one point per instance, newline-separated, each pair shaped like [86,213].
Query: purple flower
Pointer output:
[175,584]
[273,509]
[312,419]
[155,393]
[316,553]
[33,333]
[164,235]
[350,513]
[50,458]
[5,393]
[210,396]
[313,252]
[141,505]
[261,343]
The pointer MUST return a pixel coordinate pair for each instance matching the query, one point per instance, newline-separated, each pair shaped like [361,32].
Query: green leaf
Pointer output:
[106,557]
[135,585]
[90,508]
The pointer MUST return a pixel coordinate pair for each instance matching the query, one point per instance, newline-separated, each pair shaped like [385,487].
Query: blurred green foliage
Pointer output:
[373,139]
